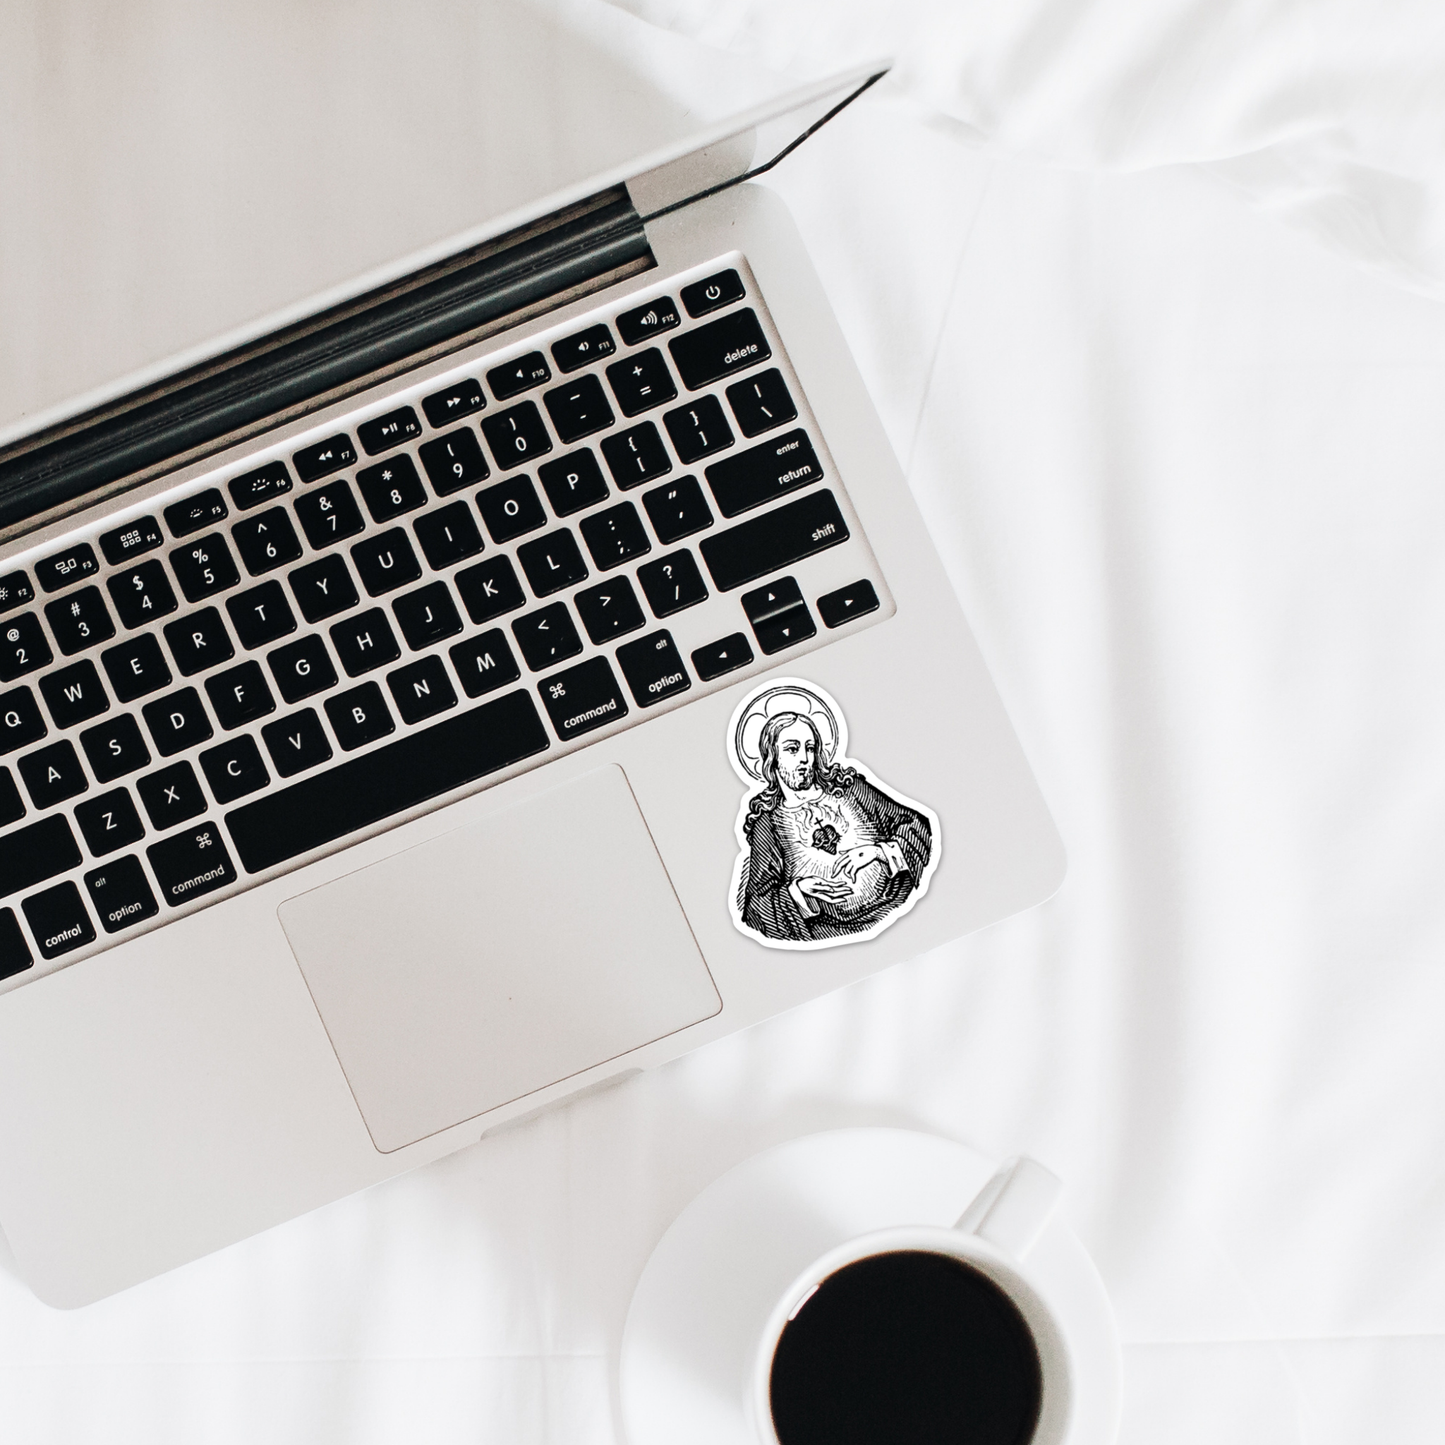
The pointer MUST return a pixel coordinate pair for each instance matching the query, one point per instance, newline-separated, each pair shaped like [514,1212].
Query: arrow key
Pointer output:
[726,655]
[855,600]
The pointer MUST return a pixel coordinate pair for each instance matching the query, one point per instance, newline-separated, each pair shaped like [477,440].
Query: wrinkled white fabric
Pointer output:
[1329,114]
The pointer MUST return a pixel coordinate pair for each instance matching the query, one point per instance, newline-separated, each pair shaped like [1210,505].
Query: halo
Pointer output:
[789,697]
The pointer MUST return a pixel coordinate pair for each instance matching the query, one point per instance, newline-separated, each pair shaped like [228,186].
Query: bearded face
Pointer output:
[797,756]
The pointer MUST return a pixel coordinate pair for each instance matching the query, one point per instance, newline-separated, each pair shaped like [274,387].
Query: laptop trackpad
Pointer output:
[494,960]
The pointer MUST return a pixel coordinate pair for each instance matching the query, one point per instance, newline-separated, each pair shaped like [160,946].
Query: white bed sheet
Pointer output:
[1184,466]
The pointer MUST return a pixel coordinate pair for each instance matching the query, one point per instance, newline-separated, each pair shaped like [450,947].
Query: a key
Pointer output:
[511,508]
[573,483]
[12,805]
[578,409]
[191,863]
[712,293]
[359,716]
[636,455]
[15,591]
[490,589]
[302,669]
[52,774]
[677,510]
[79,620]
[575,351]
[20,719]
[114,748]
[199,641]
[552,563]
[672,583]
[512,378]
[721,657]
[240,695]
[448,535]
[263,614]
[385,562]
[196,512]
[653,669]
[204,567]
[364,642]
[422,689]
[855,600]
[136,667]
[779,615]
[263,484]
[58,920]
[67,567]
[641,382]
[582,698]
[177,721]
[384,432]
[31,855]
[609,610]
[642,322]
[121,894]
[329,514]
[452,403]
[615,536]
[322,458]
[109,822]
[141,594]
[23,647]
[133,539]
[516,435]
[234,769]
[171,796]
[15,955]
[454,461]
[774,541]
[427,615]
[761,402]
[730,344]
[698,430]
[546,636]
[323,588]
[484,663]
[74,694]
[266,541]
[752,477]
[296,743]
[391,488]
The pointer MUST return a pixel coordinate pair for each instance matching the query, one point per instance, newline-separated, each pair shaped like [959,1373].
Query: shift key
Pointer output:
[191,863]
[31,855]
[775,540]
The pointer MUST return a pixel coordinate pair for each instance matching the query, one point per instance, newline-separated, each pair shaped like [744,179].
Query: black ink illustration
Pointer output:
[829,854]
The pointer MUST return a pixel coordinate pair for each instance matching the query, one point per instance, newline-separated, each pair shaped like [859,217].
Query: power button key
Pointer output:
[712,292]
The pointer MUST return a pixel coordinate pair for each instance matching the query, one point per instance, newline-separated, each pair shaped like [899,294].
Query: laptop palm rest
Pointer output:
[498,959]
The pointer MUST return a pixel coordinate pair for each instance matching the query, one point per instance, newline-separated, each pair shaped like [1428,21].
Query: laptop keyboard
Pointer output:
[536,549]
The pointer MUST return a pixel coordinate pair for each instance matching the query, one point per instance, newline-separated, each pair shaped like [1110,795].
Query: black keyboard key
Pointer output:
[80,620]
[120,893]
[391,488]
[484,663]
[774,541]
[422,689]
[552,562]
[427,615]
[15,591]
[761,402]
[785,629]
[12,805]
[547,636]
[234,769]
[15,955]
[109,822]
[20,719]
[490,589]
[384,432]
[263,614]
[459,399]
[329,514]
[364,642]
[609,610]
[177,721]
[359,716]
[296,743]
[190,515]
[583,698]
[23,647]
[74,694]
[590,345]
[136,667]
[778,596]
[199,641]
[731,343]
[721,657]
[511,508]
[757,475]
[240,695]
[142,594]
[266,541]
[322,458]
[323,588]
[447,535]
[115,748]
[677,510]
[67,567]
[302,669]
[393,778]
[514,377]
[264,484]
[454,461]
[204,567]
[52,774]
[698,430]
[659,314]
[578,409]
[857,599]
[615,536]
[516,435]
[712,293]
[636,455]
[385,562]
[672,583]
[132,540]
[31,855]
[653,669]
[641,382]
[573,482]
[191,864]
[58,920]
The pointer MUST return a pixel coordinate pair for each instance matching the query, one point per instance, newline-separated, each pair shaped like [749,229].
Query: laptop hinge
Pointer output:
[315,362]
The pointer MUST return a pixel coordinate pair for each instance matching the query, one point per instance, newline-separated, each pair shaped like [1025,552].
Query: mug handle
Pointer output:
[1011,1211]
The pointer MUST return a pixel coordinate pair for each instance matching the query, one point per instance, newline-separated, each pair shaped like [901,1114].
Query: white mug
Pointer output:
[993,1236]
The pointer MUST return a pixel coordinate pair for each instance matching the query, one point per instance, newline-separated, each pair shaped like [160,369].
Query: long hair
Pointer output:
[831,777]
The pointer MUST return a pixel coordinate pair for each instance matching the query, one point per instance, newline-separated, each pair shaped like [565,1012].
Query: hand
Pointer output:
[855,860]
[825,890]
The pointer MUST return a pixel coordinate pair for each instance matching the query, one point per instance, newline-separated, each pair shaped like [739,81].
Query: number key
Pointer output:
[204,567]
[79,620]
[329,514]
[454,461]
[23,647]
[142,594]
[266,541]
[391,488]
[516,435]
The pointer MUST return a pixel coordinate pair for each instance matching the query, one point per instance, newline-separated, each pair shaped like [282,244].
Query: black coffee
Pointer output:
[907,1348]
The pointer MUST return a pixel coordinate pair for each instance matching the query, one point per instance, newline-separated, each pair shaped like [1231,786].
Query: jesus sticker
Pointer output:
[829,854]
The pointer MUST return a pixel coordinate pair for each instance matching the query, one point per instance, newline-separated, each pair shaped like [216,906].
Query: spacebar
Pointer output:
[390,780]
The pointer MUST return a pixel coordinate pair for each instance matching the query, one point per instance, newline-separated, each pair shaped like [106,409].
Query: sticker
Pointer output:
[829,855]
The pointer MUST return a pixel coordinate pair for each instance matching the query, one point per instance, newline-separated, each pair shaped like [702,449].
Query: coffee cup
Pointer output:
[922,1333]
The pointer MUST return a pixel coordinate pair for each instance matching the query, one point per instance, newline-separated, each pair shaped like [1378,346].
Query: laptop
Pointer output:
[503,675]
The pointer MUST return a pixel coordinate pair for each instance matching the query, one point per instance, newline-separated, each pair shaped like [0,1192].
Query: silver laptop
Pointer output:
[507,676]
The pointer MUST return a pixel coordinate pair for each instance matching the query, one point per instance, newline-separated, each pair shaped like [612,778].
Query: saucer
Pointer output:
[699,1306]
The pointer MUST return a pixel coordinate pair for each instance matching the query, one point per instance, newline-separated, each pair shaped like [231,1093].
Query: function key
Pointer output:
[856,600]
[131,540]
[196,512]
[724,656]
[454,461]
[720,348]
[15,591]
[582,698]
[260,486]
[458,400]
[590,345]
[712,292]
[515,377]
[322,458]
[66,567]
[646,321]
[384,432]
[761,402]
[652,668]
